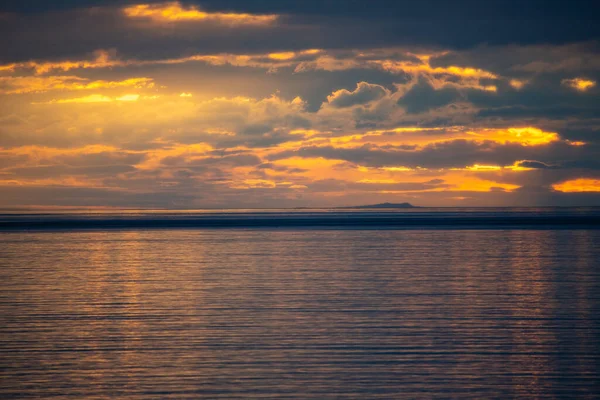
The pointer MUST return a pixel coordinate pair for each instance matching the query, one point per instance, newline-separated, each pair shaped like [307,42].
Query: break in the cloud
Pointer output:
[273,104]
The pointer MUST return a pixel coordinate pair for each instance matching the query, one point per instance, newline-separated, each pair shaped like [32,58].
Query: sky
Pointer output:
[275,103]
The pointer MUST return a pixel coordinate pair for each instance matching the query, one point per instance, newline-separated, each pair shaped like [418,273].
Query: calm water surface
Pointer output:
[324,314]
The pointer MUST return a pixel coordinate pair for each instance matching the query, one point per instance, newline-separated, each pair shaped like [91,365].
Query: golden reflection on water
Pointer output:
[300,314]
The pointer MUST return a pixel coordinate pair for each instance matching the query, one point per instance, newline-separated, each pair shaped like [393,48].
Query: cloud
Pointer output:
[363,94]
[236,103]
[175,12]
[423,96]
[98,98]
[533,164]
[37,84]
[578,185]
[520,60]
[579,84]
[455,153]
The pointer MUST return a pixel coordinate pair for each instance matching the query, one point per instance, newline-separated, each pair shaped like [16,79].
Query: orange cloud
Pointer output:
[128,97]
[384,59]
[37,154]
[254,183]
[154,157]
[578,185]
[517,166]
[526,136]
[454,180]
[579,84]
[101,59]
[467,184]
[99,98]
[93,98]
[309,59]
[425,67]
[288,55]
[318,59]
[174,12]
[38,84]
[517,84]
[105,59]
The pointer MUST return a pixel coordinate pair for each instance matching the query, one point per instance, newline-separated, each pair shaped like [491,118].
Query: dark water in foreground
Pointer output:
[300,313]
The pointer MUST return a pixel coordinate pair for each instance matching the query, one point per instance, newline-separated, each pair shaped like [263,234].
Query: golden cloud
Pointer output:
[525,136]
[517,84]
[319,60]
[385,59]
[101,59]
[578,185]
[579,84]
[175,12]
[99,98]
[420,137]
[40,84]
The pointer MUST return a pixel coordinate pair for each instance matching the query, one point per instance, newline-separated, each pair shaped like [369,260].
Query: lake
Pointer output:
[338,310]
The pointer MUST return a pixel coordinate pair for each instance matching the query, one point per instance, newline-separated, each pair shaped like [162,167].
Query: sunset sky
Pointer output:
[238,103]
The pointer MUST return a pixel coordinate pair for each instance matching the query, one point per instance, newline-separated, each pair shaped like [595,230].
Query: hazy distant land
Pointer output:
[384,205]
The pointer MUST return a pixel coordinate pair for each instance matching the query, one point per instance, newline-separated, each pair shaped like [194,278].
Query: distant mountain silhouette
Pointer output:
[385,205]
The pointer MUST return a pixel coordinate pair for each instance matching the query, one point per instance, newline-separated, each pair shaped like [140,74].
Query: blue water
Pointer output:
[352,311]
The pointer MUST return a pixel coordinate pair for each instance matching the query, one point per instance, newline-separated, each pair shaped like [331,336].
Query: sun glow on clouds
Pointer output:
[319,59]
[526,136]
[98,98]
[38,84]
[578,185]
[579,84]
[100,59]
[215,131]
[41,152]
[174,12]
[420,137]
[517,84]
[517,166]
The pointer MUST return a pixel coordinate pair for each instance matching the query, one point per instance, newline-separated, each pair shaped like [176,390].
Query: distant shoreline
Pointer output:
[381,205]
